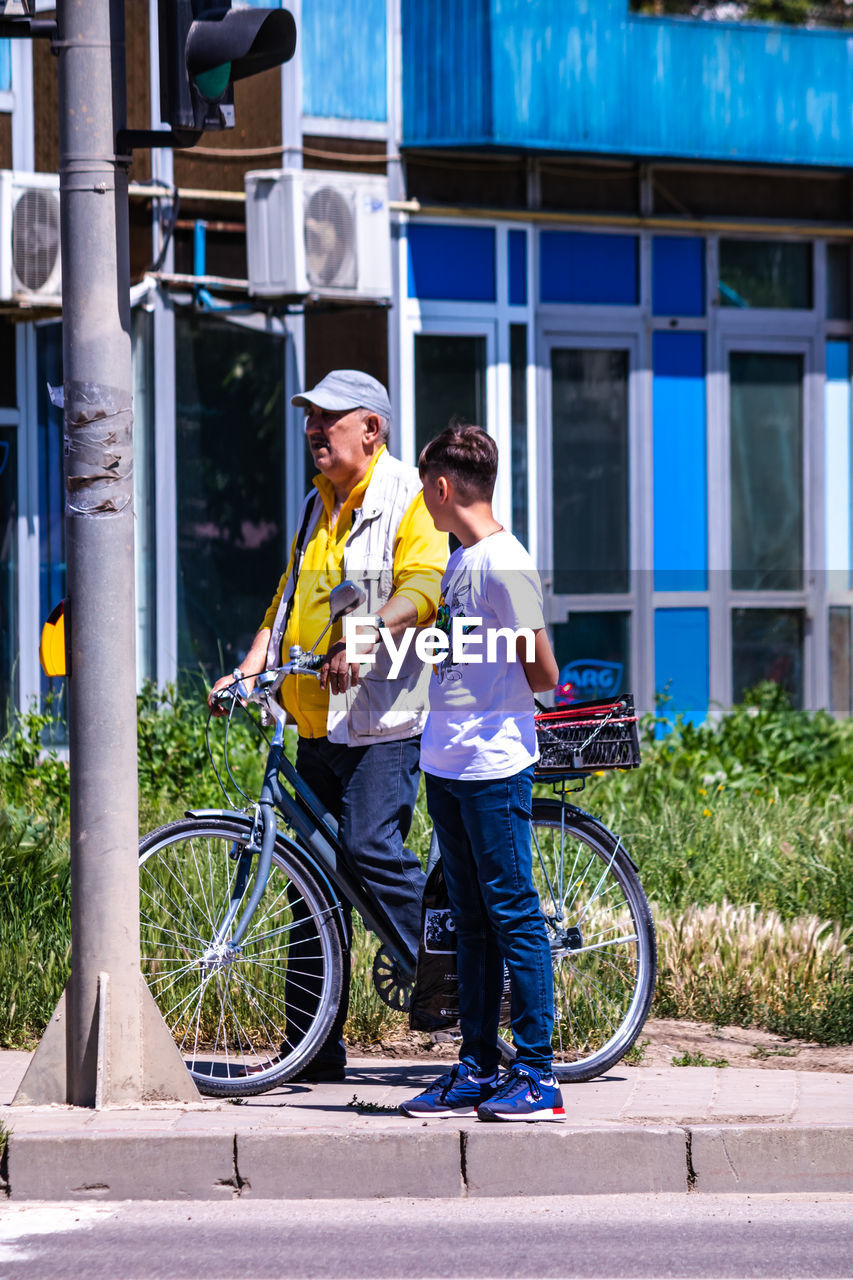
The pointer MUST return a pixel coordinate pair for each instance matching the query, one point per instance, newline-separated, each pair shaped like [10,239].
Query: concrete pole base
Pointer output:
[163,1076]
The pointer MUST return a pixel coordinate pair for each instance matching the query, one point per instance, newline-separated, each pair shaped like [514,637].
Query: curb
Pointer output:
[431,1162]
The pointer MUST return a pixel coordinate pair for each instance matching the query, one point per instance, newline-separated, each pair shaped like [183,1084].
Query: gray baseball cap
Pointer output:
[347,389]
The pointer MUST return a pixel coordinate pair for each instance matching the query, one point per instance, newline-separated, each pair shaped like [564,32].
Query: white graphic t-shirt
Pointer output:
[480,722]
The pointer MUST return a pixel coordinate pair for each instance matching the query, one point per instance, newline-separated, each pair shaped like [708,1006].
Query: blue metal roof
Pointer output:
[344,54]
[589,76]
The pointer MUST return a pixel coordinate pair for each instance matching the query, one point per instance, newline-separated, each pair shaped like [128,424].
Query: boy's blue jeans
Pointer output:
[483,829]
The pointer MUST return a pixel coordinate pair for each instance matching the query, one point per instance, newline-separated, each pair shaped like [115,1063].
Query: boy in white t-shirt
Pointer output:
[477,753]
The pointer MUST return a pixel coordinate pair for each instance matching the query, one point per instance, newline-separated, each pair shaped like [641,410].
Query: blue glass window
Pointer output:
[579,266]
[837,465]
[517,252]
[678,276]
[682,661]
[453,264]
[680,479]
[838,361]
[5,66]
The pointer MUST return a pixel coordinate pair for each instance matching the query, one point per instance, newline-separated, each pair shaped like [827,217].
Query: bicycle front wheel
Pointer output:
[245,1017]
[602,939]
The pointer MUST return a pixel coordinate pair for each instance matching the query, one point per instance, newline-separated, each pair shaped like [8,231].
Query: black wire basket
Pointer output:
[586,737]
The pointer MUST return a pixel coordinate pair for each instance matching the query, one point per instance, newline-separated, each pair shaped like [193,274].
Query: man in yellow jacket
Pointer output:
[359,730]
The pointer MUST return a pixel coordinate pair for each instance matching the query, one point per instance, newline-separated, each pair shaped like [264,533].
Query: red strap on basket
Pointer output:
[582,713]
[556,722]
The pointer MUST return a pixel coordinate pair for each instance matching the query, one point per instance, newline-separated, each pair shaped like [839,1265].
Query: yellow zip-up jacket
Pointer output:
[419,556]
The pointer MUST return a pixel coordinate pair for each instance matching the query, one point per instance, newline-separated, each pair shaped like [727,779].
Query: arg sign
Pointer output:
[588,678]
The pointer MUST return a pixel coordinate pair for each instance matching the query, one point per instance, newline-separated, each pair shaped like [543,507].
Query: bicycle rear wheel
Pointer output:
[602,940]
[249,1017]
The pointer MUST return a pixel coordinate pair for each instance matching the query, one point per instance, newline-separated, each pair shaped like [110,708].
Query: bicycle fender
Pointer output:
[245,820]
[593,821]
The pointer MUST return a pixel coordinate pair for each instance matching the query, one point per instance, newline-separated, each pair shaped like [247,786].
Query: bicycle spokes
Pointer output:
[602,940]
[237,1012]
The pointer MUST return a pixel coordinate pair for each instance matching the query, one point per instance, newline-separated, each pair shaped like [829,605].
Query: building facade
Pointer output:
[619,242]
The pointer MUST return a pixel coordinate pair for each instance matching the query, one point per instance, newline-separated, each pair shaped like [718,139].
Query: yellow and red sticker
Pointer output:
[52,647]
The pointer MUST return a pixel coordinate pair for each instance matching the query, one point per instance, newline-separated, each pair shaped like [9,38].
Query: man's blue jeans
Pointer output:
[371,790]
[483,829]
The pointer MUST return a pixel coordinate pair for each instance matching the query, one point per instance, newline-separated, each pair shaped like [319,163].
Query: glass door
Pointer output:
[450,382]
[587,535]
[448,370]
[771,585]
[232,543]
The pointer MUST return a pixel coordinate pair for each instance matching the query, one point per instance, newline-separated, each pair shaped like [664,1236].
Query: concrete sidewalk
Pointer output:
[700,1129]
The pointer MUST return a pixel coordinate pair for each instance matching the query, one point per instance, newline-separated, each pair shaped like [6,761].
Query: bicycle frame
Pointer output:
[317,833]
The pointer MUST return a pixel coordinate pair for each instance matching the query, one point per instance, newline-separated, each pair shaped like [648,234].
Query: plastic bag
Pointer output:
[435,999]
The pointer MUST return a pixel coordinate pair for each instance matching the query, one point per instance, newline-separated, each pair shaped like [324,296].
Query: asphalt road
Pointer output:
[596,1236]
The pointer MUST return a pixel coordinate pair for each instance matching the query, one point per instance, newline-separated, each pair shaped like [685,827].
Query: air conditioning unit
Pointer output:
[30,265]
[309,231]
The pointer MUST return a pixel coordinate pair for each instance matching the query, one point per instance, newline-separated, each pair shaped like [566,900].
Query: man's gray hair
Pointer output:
[384,423]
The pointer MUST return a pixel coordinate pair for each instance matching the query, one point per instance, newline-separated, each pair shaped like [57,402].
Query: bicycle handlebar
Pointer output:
[343,599]
[300,664]
[268,682]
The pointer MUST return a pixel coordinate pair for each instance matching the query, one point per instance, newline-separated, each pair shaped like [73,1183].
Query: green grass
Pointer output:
[743,833]
[635,1055]
[697,1060]
[788,853]
[751,968]
[370,1020]
[35,945]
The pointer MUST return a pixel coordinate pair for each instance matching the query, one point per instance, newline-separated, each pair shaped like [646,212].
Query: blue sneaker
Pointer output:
[524,1094]
[456,1093]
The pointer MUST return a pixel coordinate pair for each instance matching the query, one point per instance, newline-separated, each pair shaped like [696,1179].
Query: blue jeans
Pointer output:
[483,829]
[371,790]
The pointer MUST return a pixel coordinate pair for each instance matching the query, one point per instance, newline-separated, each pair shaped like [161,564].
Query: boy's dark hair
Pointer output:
[468,455]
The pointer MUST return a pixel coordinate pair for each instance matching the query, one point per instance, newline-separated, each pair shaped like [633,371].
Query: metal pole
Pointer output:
[106,1044]
[99,545]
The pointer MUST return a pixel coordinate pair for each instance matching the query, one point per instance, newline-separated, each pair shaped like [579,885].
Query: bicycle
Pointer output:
[243,931]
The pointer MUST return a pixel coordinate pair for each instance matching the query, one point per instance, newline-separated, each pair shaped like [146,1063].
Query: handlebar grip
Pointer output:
[307,664]
[224,696]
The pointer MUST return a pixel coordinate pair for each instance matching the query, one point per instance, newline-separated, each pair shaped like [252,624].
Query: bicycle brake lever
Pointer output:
[305,669]
[304,664]
[222,697]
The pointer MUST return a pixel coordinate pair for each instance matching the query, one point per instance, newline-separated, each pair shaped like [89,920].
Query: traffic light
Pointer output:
[204,47]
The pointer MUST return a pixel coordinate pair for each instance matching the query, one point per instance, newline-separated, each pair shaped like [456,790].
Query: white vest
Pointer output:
[378,708]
